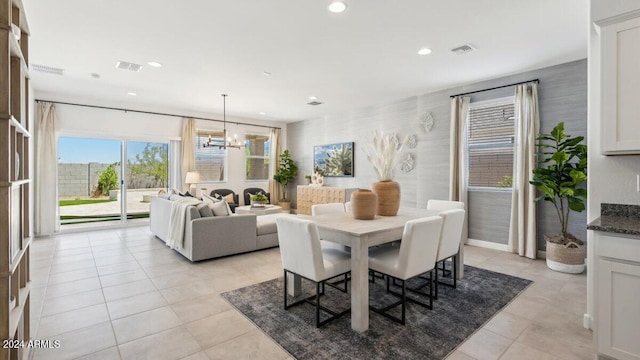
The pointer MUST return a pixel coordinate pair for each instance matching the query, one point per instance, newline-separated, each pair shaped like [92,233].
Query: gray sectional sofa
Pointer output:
[211,237]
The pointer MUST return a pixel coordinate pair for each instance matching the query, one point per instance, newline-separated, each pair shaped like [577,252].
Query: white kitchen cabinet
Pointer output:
[617,302]
[620,49]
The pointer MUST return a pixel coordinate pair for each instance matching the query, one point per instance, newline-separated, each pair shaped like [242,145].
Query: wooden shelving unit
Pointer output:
[15,181]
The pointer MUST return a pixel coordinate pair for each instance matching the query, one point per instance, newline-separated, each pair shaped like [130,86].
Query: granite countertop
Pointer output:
[621,219]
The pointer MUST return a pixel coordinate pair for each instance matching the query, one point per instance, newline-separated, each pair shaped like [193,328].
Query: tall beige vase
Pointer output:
[388,197]
[364,204]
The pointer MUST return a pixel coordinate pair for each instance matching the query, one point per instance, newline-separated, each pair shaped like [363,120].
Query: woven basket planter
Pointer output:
[565,258]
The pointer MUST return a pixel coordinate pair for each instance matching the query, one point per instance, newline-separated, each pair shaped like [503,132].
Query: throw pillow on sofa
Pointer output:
[210,200]
[204,210]
[228,198]
[221,208]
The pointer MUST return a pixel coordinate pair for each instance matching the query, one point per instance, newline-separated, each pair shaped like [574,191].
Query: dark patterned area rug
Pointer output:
[428,334]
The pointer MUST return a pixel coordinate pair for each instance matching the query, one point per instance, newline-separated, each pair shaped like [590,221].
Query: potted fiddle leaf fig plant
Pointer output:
[285,174]
[559,178]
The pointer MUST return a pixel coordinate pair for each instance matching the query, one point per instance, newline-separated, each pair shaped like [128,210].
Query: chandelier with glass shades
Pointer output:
[210,142]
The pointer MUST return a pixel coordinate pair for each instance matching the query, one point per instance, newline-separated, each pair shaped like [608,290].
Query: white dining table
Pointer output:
[360,235]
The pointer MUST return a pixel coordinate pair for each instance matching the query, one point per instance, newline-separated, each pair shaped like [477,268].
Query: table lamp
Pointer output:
[192,178]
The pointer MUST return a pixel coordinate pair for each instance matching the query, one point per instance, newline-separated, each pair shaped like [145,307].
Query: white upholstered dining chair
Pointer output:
[416,255]
[331,208]
[303,254]
[449,242]
[442,205]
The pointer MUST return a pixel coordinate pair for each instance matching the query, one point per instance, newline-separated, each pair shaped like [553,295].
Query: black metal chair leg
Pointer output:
[388,280]
[431,297]
[345,283]
[455,269]
[404,300]
[310,300]
[285,289]
[434,283]
[317,304]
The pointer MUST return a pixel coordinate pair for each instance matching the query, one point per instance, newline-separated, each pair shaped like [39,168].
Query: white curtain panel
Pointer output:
[46,211]
[274,157]
[458,164]
[188,150]
[175,164]
[522,231]
[458,146]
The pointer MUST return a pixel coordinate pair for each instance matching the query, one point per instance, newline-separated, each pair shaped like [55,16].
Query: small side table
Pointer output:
[269,209]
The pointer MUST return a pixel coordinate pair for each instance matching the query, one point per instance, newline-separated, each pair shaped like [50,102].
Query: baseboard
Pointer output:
[488,245]
[502,247]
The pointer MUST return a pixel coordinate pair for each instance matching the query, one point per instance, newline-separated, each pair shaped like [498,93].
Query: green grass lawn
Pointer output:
[83,202]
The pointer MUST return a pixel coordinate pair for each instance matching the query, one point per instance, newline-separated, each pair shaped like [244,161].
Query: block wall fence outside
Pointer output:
[78,179]
[562,94]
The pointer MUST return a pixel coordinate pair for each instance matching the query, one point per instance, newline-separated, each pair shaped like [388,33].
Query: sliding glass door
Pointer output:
[147,172]
[89,176]
[108,180]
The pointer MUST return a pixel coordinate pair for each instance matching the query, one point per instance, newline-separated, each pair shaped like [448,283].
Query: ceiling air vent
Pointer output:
[123,65]
[314,103]
[47,69]
[466,48]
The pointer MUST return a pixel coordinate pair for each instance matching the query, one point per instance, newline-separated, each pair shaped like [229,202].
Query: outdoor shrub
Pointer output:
[108,180]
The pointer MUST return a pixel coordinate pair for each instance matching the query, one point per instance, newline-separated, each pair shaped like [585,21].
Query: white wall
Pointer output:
[612,179]
[103,123]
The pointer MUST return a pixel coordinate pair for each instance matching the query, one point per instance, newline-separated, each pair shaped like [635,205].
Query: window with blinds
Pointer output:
[257,149]
[490,143]
[210,161]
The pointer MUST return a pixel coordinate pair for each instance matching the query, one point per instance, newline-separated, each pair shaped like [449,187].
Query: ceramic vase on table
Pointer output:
[364,204]
[388,193]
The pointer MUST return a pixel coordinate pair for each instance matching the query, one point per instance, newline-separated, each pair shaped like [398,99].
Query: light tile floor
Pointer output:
[121,294]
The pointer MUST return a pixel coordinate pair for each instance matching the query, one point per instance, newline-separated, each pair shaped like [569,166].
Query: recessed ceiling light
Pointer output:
[131,93]
[337,6]
[266,73]
[424,51]
[263,113]
[313,98]
[154,64]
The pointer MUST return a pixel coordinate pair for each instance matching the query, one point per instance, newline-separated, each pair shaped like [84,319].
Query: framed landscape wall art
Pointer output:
[333,159]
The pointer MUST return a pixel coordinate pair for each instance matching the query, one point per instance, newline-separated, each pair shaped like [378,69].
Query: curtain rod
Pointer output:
[497,87]
[155,113]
